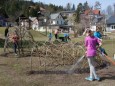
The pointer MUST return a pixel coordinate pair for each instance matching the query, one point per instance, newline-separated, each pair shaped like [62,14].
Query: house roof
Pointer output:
[111,20]
[67,12]
[42,9]
[54,16]
[96,12]
[32,18]
[22,17]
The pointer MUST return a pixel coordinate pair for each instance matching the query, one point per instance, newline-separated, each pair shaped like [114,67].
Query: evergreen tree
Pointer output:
[68,7]
[78,12]
[97,5]
[73,8]
[16,7]
[86,6]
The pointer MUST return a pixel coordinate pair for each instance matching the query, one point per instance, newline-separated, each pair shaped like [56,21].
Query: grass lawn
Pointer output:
[109,44]
[2,29]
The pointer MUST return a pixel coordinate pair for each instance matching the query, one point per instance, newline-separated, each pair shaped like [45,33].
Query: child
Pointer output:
[91,48]
[98,35]
[66,37]
[50,37]
[103,52]
[15,40]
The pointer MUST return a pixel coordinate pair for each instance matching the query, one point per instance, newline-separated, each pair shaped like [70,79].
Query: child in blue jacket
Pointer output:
[50,37]
[98,35]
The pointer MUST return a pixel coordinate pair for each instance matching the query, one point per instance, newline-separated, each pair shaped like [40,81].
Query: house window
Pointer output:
[61,22]
[59,17]
[113,26]
[51,21]
[57,22]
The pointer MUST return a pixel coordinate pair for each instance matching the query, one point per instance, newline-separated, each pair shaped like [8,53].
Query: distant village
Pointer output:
[45,21]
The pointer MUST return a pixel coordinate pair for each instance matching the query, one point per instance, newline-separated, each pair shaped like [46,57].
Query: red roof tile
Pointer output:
[96,12]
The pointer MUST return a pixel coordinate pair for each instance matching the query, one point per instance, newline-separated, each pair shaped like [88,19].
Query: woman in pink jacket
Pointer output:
[91,44]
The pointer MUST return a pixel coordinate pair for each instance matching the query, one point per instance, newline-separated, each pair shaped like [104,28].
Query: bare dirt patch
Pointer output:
[12,73]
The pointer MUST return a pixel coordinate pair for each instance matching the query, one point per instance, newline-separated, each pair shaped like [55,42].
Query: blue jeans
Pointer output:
[103,50]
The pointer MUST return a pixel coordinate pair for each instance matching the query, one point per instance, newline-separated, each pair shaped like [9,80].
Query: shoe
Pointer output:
[98,79]
[89,79]
[16,54]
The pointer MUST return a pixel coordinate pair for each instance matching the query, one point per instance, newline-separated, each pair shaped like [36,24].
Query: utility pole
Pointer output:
[114,8]
[105,23]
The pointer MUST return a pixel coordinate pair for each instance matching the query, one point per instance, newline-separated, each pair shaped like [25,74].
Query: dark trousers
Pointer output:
[15,47]
[50,39]
[62,38]
[56,36]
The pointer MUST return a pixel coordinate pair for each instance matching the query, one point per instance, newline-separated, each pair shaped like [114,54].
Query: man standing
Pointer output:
[6,36]
[7,30]
[56,34]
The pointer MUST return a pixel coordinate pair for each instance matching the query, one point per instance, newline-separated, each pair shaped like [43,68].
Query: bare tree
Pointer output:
[77,27]
[103,12]
[68,6]
[109,10]
[97,5]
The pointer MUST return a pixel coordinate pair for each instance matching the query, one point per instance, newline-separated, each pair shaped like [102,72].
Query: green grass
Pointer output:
[38,36]
[109,44]
[2,30]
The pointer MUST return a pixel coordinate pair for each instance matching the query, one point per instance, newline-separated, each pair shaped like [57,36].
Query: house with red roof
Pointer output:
[92,12]
[91,18]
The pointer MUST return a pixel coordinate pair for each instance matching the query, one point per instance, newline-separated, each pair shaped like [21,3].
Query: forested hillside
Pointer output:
[17,7]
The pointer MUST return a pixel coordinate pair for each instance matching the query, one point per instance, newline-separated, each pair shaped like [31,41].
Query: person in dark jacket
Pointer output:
[6,36]
[7,30]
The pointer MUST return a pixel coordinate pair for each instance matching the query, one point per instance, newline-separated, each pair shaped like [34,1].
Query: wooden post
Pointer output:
[63,56]
[45,59]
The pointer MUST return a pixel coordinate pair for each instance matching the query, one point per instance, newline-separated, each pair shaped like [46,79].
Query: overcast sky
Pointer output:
[104,3]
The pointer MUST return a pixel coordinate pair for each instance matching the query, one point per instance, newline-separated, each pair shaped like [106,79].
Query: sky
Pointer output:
[104,3]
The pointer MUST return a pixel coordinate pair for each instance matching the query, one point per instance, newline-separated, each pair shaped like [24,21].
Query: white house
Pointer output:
[56,19]
[110,24]
[34,23]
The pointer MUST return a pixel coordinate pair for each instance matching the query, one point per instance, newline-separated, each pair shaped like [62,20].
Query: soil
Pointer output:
[12,73]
